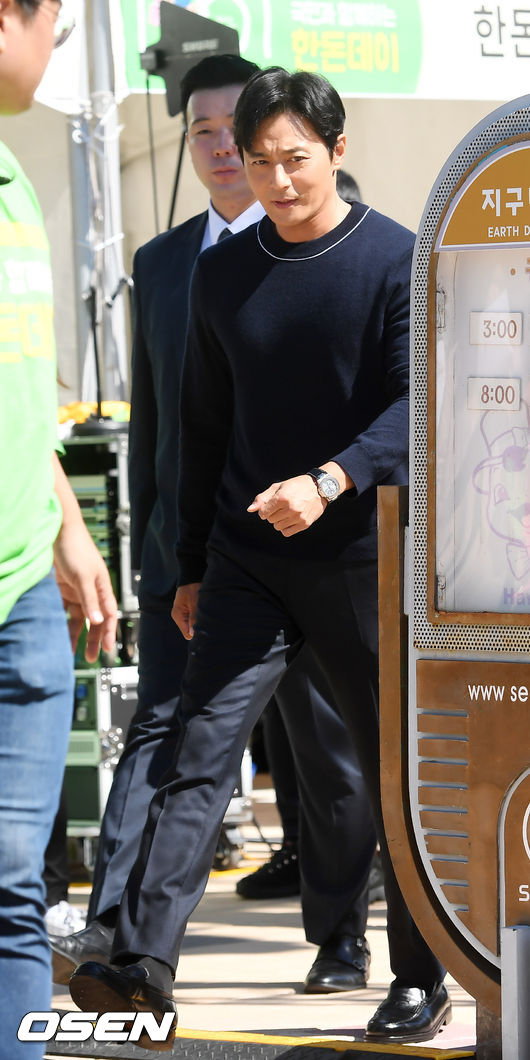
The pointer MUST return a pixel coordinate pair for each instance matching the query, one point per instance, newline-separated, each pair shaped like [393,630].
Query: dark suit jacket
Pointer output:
[162,272]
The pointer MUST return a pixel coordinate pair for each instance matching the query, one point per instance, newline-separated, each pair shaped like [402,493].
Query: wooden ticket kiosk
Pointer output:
[455,566]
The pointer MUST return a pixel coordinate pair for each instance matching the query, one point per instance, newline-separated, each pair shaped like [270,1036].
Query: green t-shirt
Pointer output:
[30,513]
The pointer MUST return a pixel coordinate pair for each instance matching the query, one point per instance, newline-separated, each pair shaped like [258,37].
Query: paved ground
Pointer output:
[243,966]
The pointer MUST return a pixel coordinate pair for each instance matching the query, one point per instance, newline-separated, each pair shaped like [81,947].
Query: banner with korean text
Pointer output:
[458,49]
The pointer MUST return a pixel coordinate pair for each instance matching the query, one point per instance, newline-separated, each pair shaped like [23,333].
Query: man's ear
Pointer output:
[338,152]
[6,7]
[3,6]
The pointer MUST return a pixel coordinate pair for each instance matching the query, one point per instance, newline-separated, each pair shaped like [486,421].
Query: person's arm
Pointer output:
[293,505]
[142,428]
[376,452]
[184,611]
[206,411]
[82,576]
[296,504]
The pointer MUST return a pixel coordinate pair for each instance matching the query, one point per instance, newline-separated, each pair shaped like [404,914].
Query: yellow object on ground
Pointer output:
[81,410]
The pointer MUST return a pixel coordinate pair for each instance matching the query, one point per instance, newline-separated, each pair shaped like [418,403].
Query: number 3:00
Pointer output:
[502,329]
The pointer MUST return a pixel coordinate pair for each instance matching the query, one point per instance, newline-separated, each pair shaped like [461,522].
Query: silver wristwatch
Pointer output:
[327,485]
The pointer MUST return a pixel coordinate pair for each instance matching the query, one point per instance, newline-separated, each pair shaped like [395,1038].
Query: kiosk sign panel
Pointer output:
[483,390]
[466,797]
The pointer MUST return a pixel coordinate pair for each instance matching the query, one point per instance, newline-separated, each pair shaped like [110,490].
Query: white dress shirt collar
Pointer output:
[216,223]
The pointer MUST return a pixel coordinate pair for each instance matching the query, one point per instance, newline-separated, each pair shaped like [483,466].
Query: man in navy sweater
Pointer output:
[294,407]
[336,832]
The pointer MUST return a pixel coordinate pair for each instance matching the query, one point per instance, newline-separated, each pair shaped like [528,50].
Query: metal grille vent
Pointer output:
[449,637]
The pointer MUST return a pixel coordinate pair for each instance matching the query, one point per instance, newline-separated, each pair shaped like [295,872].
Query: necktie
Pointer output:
[223,234]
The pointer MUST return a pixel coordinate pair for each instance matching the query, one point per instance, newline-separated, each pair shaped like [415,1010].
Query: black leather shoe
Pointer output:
[410,1014]
[108,988]
[342,964]
[278,878]
[93,943]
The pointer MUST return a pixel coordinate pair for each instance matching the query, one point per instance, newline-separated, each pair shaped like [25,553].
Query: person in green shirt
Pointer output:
[46,552]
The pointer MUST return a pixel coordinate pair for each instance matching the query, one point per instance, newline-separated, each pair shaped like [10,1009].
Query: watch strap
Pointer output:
[316,474]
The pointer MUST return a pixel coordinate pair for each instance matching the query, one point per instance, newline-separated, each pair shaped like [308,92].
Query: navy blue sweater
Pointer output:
[297,354]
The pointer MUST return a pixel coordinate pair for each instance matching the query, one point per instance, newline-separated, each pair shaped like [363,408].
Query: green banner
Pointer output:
[363,48]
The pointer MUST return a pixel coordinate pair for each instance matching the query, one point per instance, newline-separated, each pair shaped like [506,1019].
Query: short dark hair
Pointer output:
[29,7]
[347,186]
[215,71]
[276,91]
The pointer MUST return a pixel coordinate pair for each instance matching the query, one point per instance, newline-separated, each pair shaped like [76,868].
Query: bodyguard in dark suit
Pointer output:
[162,271]
[337,836]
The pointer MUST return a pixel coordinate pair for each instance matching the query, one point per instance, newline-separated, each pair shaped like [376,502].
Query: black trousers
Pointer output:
[148,752]
[282,770]
[251,622]
[56,874]
[337,836]
[336,833]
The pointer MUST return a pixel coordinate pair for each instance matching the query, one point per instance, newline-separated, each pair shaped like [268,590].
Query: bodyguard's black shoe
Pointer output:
[410,1014]
[342,964]
[278,878]
[108,988]
[93,943]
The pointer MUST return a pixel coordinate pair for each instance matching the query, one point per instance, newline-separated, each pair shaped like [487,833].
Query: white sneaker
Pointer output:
[64,919]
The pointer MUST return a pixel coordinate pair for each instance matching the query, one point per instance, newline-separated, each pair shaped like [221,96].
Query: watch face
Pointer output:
[328,487]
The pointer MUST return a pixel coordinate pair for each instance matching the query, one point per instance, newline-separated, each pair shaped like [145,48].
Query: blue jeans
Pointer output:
[36,699]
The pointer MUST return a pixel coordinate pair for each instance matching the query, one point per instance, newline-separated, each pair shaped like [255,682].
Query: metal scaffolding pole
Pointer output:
[108,273]
[78,154]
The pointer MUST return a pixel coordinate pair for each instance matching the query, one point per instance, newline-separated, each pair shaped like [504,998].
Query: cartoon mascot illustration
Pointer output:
[504,477]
